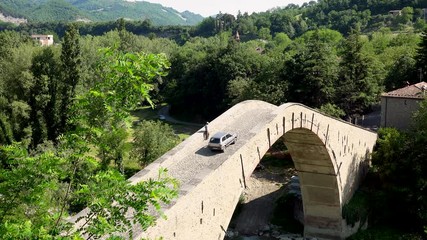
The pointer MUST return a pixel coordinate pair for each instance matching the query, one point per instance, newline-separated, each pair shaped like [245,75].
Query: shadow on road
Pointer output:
[206,152]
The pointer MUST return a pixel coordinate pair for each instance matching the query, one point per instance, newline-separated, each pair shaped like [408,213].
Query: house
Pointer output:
[398,106]
[45,40]
[395,12]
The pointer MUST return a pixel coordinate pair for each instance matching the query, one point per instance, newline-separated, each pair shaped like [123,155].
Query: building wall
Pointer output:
[45,40]
[397,112]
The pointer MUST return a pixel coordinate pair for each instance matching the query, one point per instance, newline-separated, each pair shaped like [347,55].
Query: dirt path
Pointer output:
[264,188]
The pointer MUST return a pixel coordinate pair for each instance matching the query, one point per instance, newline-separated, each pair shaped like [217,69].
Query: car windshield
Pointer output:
[214,140]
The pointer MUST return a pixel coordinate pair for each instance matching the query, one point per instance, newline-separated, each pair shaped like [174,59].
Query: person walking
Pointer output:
[206,133]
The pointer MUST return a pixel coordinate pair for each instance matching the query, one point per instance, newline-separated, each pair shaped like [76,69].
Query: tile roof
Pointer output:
[418,90]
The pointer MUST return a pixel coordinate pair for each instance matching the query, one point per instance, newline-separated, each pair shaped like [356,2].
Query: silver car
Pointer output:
[221,140]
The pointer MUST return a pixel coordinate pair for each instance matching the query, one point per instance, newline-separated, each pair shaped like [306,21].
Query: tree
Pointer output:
[151,140]
[312,73]
[67,174]
[44,96]
[29,186]
[402,72]
[70,59]
[358,87]
[126,80]
[399,161]
[111,198]
[264,33]
[281,41]
[421,56]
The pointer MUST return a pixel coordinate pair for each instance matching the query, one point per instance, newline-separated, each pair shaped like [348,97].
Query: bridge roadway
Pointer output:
[200,158]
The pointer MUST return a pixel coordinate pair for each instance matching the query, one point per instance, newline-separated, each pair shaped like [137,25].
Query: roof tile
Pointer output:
[418,90]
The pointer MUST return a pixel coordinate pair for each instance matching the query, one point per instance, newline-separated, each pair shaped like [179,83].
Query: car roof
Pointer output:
[219,134]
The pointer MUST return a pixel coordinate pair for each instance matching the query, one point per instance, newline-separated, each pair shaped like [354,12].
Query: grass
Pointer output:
[149,114]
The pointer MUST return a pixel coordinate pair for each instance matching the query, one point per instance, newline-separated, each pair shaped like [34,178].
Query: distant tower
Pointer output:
[237,36]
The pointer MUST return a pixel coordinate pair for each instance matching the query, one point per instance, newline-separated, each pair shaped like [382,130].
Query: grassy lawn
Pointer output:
[148,113]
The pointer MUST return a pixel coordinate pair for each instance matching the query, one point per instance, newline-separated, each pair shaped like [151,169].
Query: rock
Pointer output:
[275,233]
[230,234]
[265,228]
[250,238]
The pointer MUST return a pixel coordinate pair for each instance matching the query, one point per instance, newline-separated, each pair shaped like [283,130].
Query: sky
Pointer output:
[209,8]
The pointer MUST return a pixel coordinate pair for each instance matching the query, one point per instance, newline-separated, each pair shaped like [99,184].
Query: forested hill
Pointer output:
[340,15]
[95,11]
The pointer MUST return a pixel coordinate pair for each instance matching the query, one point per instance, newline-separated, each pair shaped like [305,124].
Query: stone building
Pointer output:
[398,106]
[45,40]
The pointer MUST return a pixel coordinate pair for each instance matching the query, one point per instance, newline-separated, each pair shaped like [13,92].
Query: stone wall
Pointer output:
[397,112]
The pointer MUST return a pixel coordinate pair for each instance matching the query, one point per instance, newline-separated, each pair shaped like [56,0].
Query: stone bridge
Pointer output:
[329,155]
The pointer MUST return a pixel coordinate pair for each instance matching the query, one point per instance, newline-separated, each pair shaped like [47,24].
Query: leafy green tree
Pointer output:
[151,140]
[44,96]
[16,82]
[402,72]
[126,81]
[282,22]
[358,85]
[264,33]
[67,176]
[420,24]
[281,41]
[421,56]
[332,110]
[70,59]
[406,15]
[312,73]
[206,28]
[29,185]
[399,161]
[110,206]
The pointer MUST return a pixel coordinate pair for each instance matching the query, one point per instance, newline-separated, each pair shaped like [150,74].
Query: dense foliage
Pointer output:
[96,10]
[59,136]
[398,181]
[152,139]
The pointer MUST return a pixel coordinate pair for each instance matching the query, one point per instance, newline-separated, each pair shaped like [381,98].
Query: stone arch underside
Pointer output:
[328,153]
[318,182]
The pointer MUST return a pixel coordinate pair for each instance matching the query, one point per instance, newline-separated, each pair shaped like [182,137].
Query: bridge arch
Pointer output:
[330,156]
[319,183]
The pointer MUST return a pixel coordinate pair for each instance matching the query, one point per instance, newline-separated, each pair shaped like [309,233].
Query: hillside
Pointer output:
[95,11]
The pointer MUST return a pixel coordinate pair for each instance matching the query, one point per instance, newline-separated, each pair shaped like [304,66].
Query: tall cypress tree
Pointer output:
[70,59]
[43,97]
[358,88]
[421,56]
[312,73]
